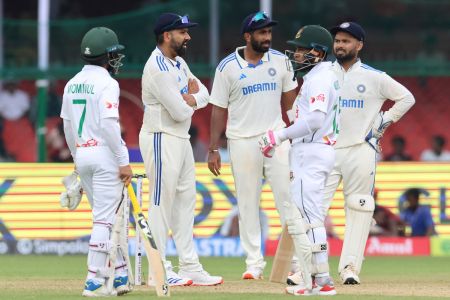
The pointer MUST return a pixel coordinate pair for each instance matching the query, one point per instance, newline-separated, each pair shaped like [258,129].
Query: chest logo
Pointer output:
[272,72]
[242,76]
[361,88]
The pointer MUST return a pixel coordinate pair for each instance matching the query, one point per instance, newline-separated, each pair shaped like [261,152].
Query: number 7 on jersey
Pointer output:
[83,114]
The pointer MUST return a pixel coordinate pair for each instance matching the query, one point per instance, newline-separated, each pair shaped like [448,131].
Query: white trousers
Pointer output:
[249,167]
[311,164]
[169,164]
[356,166]
[99,175]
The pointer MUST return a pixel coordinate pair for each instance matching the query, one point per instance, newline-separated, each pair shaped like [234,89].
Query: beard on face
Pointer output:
[258,46]
[344,57]
[179,48]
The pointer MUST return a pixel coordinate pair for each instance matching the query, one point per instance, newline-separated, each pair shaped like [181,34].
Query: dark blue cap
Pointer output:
[170,21]
[257,21]
[351,28]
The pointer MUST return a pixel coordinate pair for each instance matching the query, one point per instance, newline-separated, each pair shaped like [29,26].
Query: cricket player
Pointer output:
[171,94]
[90,111]
[313,134]
[249,85]
[363,92]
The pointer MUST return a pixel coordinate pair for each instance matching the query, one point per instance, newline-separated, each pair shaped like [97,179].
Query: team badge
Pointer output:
[361,88]
[87,51]
[345,25]
[272,72]
[299,33]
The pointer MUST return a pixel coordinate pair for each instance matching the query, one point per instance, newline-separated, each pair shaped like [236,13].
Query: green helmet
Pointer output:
[313,37]
[100,46]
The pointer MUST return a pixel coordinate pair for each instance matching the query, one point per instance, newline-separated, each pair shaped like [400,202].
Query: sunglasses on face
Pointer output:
[258,17]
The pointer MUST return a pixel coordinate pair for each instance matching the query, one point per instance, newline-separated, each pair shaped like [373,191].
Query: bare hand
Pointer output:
[193,86]
[214,164]
[125,174]
[189,99]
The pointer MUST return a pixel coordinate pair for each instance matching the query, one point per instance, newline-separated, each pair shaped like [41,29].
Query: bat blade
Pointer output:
[283,258]
[153,255]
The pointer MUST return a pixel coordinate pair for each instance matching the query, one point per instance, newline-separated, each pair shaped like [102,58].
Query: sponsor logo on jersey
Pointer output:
[352,103]
[89,143]
[80,88]
[272,72]
[259,87]
[361,88]
[110,105]
[320,97]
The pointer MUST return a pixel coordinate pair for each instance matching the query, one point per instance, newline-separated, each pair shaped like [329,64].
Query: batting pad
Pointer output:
[358,218]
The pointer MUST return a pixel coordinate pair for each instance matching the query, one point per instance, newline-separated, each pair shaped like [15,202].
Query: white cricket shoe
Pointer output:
[201,278]
[295,279]
[253,273]
[349,276]
[95,289]
[173,279]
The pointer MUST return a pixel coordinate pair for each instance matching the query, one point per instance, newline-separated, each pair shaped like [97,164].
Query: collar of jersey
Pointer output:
[95,68]
[355,66]
[175,63]
[244,64]
[317,68]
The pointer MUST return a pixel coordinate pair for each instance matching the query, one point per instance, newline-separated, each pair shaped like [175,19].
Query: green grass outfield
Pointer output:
[53,277]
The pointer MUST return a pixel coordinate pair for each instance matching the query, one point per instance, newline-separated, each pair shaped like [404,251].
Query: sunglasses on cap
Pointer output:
[261,15]
[181,20]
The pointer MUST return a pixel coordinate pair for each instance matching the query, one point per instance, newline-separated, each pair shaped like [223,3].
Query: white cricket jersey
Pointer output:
[319,92]
[252,93]
[363,92]
[89,97]
[163,82]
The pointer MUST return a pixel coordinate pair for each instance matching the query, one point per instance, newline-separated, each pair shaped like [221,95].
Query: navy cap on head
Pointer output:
[256,21]
[170,21]
[351,28]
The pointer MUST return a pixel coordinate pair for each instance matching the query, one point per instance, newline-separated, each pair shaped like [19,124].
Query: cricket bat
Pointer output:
[283,258]
[153,256]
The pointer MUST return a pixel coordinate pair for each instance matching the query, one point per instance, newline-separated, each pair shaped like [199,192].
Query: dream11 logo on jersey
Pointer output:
[351,103]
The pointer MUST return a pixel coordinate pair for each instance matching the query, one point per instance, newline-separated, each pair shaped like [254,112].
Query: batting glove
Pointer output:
[382,121]
[268,142]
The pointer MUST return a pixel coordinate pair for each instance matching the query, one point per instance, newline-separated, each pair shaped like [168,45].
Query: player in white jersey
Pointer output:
[90,111]
[313,134]
[363,92]
[249,84]
[171,94]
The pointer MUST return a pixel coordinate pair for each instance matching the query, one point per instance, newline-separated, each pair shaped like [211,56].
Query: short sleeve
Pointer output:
[109,101]
[319,92]
[220,91]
